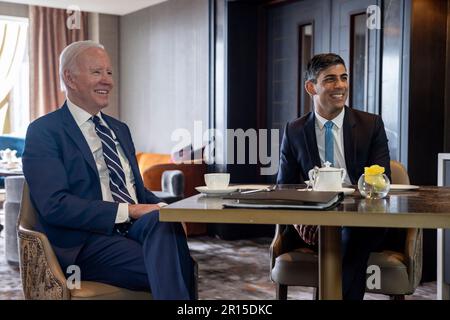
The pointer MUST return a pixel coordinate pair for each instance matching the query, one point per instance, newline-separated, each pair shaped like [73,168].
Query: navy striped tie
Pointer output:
[117,182]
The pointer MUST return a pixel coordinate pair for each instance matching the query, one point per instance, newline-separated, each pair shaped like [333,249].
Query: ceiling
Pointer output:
[121,7]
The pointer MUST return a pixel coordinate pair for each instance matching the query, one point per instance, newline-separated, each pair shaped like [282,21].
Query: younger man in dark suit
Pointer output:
[346,138]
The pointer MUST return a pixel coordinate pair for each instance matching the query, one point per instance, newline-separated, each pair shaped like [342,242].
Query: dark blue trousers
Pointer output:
[153,256]
[357,244]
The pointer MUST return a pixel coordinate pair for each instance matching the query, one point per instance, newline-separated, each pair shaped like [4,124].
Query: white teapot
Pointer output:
[8,155]
[327,178]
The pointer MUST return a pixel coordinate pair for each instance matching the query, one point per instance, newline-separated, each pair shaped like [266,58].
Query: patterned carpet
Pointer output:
[10,283]
[240,270]
[227,270]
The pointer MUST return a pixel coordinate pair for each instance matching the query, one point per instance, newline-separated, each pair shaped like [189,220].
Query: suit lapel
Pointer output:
[311,141]
[74,132]
[350,142]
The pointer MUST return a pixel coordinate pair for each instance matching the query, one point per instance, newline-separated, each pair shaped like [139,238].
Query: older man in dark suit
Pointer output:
[346,138]
[84,181]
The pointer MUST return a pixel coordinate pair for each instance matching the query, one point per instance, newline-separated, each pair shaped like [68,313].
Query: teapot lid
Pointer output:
[328,168]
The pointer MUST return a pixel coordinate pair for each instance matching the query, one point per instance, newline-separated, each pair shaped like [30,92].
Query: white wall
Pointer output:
[108,29]
[164,71]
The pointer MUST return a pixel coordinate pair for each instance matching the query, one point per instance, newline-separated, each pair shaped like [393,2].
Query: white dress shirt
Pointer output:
[338,135]
[87,127]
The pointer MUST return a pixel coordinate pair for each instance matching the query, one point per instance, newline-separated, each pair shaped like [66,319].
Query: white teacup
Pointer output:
[327,178]
[217,181]
[8,155]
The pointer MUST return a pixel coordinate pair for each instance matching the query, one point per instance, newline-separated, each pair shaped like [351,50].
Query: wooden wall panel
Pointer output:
[427,88]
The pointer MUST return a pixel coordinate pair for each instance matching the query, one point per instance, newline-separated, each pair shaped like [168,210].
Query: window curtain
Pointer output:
[49,35]
[13,37]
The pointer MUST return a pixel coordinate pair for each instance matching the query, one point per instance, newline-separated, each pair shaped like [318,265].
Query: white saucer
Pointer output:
[10,165]
[402,187]
[206,190]
[346,191]
[253,186]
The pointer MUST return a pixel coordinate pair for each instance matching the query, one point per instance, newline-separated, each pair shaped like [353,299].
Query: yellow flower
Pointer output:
[373,170]
[373,175]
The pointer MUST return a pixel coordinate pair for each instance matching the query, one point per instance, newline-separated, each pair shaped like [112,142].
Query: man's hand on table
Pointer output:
[135,211]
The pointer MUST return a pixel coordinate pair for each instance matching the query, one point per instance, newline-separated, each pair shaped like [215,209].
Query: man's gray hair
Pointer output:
[68,56]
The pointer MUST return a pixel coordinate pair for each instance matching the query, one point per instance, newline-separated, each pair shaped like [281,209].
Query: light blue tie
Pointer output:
[329,143]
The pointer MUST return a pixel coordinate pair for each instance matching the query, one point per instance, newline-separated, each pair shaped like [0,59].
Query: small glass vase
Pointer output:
[374,186]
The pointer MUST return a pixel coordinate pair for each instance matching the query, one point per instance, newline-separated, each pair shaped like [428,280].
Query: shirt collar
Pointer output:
[338,121]
[80,115]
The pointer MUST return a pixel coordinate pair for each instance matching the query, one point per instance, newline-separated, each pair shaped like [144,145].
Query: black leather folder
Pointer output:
[285,199]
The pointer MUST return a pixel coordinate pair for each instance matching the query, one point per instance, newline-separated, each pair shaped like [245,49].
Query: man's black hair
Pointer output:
[321,62]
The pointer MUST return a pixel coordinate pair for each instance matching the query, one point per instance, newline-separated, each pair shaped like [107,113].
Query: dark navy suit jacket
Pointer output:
[365,144]
[64,182]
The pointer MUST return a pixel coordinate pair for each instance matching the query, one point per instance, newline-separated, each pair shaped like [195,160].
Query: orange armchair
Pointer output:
[152,167]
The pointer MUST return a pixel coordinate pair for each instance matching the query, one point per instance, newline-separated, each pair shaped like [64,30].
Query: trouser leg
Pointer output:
[357,244]
[166,256]
[115,260]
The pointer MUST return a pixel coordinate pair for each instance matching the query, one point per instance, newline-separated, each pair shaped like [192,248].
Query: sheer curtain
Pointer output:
[13,35]
[49,35]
